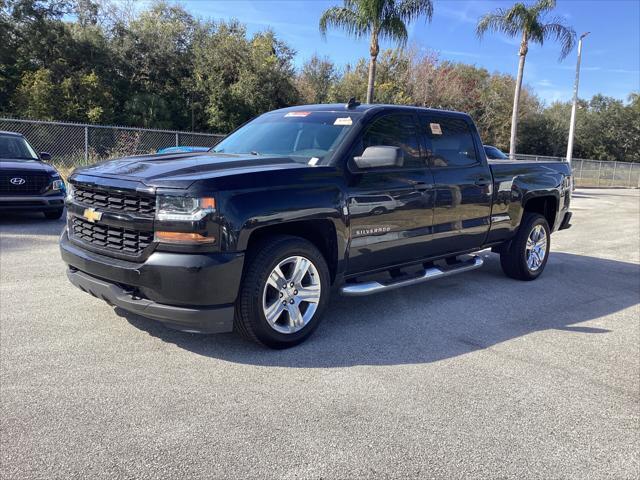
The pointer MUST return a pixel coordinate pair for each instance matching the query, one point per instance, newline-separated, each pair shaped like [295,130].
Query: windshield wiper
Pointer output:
[253,152]
[18,158]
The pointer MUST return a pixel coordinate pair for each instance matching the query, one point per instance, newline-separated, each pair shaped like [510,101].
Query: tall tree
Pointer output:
[315,79]
[528,22]
[379,19]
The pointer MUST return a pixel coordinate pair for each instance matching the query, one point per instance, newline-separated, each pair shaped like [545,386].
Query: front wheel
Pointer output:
[283,293]
[528,253]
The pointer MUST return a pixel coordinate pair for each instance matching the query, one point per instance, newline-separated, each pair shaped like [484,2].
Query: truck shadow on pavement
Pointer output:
[439,320]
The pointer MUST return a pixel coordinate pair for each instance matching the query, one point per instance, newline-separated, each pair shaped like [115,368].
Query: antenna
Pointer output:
[352,103]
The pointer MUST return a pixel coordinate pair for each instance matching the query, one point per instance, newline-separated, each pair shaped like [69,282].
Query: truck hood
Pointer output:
[181,170]
[32,166]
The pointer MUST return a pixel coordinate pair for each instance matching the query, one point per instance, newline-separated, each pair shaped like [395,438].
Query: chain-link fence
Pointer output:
[597,173]
[75,144]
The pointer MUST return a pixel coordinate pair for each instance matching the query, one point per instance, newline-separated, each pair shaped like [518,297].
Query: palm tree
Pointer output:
[527,21]
[379,19]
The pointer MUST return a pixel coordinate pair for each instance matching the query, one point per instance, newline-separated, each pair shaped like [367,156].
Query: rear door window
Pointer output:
[449,142]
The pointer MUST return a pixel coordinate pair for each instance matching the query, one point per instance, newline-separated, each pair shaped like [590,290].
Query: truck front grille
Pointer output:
[23,183]
[115,239]
[144,205]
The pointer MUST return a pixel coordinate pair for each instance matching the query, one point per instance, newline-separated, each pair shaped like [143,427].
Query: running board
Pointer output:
[431,273]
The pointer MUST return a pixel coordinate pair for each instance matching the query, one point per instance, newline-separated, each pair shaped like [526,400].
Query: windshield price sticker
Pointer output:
[297,114]
[343,121]
[435,128]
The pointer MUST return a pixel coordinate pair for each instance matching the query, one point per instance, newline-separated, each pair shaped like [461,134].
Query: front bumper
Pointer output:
[189,292]
[38,203]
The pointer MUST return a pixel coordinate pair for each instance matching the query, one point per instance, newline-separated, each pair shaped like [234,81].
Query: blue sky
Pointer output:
[611,53]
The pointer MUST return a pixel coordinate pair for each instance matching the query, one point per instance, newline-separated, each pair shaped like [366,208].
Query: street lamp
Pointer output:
[572,125]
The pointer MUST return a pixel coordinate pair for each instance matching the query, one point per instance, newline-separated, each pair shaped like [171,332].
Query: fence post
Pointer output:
[580,171]
[177,139]
[599,172]
[613,176]
[630,170]
[86,143]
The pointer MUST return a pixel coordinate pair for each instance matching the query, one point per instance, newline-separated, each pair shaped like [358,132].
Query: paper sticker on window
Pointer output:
[435,128]
[297,114]
[343,121]
[313,161]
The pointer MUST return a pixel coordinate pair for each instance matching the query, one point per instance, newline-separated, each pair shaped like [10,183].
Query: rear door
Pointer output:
[462,182]
[390,209]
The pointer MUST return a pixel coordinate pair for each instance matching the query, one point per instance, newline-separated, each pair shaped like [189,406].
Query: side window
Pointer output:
[394,130]
[449,142]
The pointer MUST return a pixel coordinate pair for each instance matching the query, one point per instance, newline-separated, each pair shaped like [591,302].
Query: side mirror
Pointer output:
[382,156]
[45,156]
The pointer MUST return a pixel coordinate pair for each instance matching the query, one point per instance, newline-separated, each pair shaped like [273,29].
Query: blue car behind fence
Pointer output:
[183,149]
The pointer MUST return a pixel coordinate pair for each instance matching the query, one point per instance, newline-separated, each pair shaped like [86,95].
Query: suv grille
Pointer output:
[33,184]
[121,202]
[116,239]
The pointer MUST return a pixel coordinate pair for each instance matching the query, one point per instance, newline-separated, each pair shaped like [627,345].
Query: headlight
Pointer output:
[70,190]
[170,207]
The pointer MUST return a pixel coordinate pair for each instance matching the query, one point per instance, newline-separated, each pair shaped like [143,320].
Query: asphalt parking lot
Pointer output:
[472,376]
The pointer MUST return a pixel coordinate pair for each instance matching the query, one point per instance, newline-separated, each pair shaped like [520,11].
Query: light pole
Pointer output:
[572,125]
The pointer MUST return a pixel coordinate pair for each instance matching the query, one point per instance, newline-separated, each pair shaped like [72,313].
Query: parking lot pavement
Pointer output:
[475,375]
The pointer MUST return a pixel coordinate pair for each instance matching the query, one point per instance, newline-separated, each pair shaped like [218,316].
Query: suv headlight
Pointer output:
[57,185]
[169,207]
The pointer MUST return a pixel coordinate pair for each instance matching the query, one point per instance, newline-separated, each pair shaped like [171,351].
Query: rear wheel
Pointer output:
[527,255]
[53,214]
[283,293]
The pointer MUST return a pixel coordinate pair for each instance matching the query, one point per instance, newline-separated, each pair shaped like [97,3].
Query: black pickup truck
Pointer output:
[253,234]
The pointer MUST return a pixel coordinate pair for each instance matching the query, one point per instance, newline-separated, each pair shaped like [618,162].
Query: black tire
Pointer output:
[53,214]
[250,320]
[514,259]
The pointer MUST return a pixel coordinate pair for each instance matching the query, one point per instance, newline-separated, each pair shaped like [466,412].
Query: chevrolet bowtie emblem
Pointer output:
[91,215]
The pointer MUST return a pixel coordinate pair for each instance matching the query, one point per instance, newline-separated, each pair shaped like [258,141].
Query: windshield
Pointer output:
[299,135]
[16,148]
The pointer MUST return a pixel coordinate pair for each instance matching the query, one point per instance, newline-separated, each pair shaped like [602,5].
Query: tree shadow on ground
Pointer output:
[440,319]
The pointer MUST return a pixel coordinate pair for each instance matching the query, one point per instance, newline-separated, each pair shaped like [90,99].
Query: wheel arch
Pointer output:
[545,205]
[319,232]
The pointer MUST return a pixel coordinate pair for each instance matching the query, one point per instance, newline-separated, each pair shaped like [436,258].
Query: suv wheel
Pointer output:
[283,293]
[527,255]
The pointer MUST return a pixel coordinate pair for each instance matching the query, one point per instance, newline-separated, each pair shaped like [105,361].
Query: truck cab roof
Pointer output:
[367,108]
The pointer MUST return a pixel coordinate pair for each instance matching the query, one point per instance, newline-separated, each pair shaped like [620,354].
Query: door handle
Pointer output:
[482,182]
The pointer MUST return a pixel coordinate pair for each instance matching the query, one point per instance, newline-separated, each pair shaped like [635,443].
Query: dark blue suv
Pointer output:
[26,182]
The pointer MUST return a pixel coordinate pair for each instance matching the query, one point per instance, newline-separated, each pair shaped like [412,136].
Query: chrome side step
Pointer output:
[431,273]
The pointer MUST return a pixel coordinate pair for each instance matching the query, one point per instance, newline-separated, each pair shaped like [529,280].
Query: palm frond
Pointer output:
[496,22]
[563,34]
[394,28]
[517,17]
[542,6]
[345,19]
[410,10]
[535,31]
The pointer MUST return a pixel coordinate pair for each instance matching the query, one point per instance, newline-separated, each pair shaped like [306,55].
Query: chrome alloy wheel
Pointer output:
[291,294]
[536,249]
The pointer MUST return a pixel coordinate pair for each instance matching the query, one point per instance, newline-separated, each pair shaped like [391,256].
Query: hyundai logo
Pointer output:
[18,181]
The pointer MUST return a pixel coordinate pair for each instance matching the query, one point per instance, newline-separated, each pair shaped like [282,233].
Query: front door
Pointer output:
[390,209]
